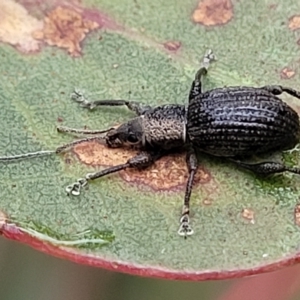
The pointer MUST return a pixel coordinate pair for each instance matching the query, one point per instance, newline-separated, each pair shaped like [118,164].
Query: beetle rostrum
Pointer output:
[232,122]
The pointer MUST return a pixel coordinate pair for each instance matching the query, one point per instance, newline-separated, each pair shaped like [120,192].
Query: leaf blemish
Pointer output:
[172,46]
[248,214]
[287,73]
[16,27]
[297,214]
[294,22]
[168,173]
[213,12]
[3,219]
[65,28]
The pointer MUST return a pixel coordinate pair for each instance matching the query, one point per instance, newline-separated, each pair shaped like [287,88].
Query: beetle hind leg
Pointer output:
[196,88]
[278,89]
[268,167]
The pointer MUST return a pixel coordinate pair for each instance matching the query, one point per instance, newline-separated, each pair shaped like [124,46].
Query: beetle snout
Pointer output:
[112,139]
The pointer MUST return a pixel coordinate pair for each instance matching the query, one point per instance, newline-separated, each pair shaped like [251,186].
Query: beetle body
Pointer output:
[227,122]
[241,121]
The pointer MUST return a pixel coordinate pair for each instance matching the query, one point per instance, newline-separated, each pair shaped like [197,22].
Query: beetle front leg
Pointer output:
[140,161]
[185,228]
[137,107]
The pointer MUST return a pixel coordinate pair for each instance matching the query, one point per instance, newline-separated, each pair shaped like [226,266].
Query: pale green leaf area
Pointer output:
[252,49]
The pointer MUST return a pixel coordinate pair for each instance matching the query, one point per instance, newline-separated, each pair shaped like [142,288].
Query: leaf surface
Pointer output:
[145,51]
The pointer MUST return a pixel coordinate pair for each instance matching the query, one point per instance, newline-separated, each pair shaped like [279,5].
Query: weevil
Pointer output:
[230,122]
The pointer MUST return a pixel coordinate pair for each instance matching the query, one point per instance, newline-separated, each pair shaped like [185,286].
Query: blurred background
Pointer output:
[29,274]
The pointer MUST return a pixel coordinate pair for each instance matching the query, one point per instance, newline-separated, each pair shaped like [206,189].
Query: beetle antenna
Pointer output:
[26,155]
[82,131]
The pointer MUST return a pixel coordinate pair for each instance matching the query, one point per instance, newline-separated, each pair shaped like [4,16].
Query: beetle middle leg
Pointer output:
[185,228]
[140,161]
[196,88]
[137,107]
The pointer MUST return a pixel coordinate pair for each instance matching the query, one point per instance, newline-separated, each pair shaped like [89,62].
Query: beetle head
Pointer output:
[126,135]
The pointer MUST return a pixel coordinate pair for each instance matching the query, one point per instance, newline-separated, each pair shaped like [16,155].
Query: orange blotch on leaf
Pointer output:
[248,214]
[297,214]
[16,26]
[65,28]
[172,45]
[170,172]
[294,22]
[213,12]
[287,73]
[3,219]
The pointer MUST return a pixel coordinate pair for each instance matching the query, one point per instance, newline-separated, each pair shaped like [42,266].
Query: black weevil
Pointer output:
[231,122]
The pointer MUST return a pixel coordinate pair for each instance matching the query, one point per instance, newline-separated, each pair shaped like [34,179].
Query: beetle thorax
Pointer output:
[164,126]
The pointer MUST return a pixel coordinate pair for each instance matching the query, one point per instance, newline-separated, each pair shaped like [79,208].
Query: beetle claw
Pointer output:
[208,58]
[185,228]
[79,97]
[76,187]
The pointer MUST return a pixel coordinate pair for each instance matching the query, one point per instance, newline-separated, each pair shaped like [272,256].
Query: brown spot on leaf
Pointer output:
[287,73]
[207,201]
[248,214]
[68,161]
[16,26]
[65,28]
[213,12]
[273,6]
[297,214]
[170,172]
[3,219]
[294,22]
[172,45]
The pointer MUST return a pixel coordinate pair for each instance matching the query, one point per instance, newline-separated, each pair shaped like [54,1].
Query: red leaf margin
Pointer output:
[13,232]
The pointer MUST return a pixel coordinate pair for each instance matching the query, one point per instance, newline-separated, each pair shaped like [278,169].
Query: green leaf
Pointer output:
[147,51]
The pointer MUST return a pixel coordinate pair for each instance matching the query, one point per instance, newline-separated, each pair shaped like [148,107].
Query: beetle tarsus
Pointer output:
[185,228]
[75,188]
[79,97]
[208,58]
[196,88]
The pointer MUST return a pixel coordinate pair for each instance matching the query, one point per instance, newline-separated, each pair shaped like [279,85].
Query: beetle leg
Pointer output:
[196,88]
[278,89]
[268,167]
[137,107]
[140,161]
[185,228]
